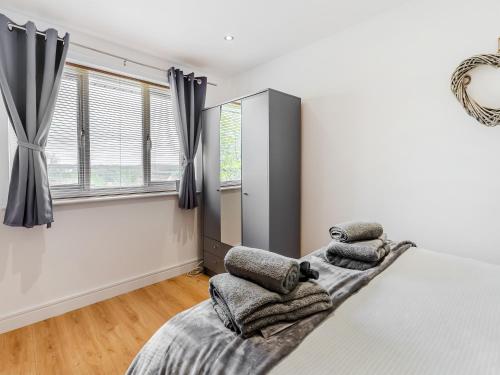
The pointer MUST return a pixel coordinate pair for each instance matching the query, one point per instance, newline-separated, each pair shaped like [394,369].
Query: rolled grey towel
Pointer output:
[365,251]
[270,270]
[246,307]
[356,231]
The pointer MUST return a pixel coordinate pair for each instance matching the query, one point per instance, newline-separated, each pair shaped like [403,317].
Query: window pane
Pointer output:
[114,153]
[230,143]
[165,150]
[115,128]
[62,144]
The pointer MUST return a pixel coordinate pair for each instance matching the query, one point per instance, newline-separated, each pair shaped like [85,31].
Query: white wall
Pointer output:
[93,250]
[384,138]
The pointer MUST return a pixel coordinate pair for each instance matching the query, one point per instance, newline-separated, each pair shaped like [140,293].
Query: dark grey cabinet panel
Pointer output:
[213,263]
[215,247]
[254,170]
[284,173]
[211,176]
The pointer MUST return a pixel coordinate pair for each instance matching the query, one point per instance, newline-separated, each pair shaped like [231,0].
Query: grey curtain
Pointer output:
[30,73]
[188,96]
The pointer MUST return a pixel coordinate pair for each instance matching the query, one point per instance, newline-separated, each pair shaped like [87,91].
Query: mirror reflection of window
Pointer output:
[230,144]
[230,173]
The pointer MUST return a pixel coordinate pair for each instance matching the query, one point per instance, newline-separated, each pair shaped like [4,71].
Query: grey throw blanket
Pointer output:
[270,270]
[246,307]
[356,231]
[197,342]
[352,264]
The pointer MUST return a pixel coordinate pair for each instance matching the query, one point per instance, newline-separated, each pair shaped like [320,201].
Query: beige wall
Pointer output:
[384,139]
[92,246]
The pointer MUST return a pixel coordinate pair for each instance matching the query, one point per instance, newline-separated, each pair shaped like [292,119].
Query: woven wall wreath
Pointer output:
[461,79]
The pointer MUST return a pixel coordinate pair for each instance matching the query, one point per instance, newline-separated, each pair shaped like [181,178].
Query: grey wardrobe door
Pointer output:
[284,174]
[254,170]
[211,172]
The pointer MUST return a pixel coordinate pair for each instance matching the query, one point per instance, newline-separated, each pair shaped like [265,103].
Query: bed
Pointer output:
[426,313]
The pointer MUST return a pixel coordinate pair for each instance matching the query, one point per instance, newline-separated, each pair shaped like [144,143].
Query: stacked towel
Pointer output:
[356,231]
[264,288]
[246,307]
[270,270]
[358,246]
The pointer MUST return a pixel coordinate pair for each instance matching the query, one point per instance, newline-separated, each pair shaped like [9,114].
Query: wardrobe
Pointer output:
[251,176]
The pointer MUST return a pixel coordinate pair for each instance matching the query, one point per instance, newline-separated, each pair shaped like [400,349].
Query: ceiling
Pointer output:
[191,32]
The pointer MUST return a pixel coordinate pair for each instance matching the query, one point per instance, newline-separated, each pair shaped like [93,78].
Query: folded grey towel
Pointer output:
[360,265]
[270,270]
[356,231]
[365,251]
[352,264]
[246,307]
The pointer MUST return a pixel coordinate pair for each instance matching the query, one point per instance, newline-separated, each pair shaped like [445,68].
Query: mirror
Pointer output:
[230,173]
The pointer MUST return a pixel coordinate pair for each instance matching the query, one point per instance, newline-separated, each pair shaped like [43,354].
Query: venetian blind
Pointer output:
[230,144]
[111,135]
[62,145]
[164,142]
[115,132]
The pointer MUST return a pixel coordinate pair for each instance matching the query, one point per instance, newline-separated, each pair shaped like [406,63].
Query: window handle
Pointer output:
[149,144]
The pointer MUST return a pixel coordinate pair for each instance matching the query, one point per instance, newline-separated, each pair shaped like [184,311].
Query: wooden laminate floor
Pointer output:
[102,338]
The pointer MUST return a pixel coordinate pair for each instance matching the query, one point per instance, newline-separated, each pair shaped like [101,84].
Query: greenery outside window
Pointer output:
[230,144]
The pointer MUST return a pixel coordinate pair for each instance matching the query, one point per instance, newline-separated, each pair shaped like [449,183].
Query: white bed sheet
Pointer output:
[428,313]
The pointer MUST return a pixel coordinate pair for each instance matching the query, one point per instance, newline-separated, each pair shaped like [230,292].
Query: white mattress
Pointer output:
[428,313]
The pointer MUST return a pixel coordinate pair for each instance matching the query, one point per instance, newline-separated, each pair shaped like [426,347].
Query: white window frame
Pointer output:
[83,188]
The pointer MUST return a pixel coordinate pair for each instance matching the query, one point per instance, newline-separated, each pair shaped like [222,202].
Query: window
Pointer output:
[62,145]
[230,144]
[111,135]
[165,151]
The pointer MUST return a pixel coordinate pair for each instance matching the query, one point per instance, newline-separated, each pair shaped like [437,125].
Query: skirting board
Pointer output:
[62,305]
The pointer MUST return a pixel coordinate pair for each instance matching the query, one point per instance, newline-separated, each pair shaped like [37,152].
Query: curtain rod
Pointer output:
[125,60]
